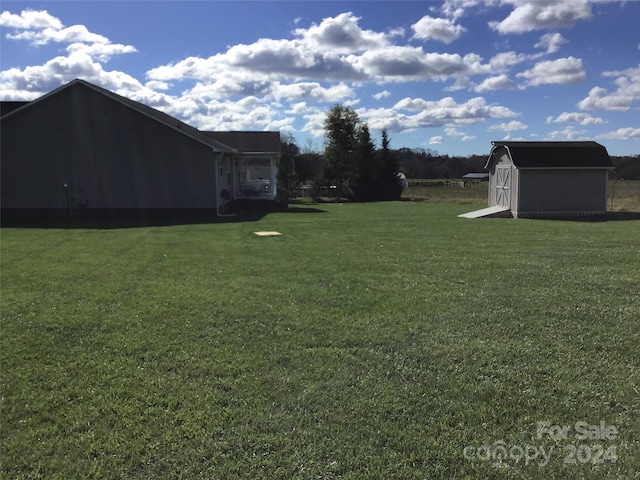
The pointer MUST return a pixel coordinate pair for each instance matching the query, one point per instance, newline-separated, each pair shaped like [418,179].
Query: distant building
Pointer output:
[81,148]
[548,178]
[471,178]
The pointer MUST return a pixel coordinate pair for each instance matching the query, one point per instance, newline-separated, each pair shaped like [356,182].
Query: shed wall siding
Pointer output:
[562,191]
[112,157]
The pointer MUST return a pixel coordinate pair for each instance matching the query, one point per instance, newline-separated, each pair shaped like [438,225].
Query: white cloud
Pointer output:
[567,71]
[39,28]
[404,63]
[396,32]
[85,53]
[381,95]
[512,126]
[600,99]
[568,134]
[456,8]
[416,113]
[250,113]
[437,140]
[501,82]
[312,91]
[621,134]
[233,86]
[315,122]
[448,112]
[73,34]
[100,51]
[530,15]
[30,19]
[453,132]
[442,29]
[551,42]
[279,59]
[190,67]
[341,34]
[627,93]
[41,79]
[298,108]
[153,85]
[355,55]
[575,117]
[502,61]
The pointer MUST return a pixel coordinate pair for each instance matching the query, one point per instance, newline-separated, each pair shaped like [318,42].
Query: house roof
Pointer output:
[249,142]
[8,106]
[146,110]
[476,176]
[555,154]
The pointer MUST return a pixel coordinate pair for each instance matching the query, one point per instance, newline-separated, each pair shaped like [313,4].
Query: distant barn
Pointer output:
[548,178]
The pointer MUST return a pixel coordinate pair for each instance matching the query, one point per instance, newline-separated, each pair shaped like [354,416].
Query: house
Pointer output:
[81,148]
[548,178]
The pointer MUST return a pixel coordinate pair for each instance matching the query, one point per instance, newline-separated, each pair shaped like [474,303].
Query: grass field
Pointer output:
[375,341]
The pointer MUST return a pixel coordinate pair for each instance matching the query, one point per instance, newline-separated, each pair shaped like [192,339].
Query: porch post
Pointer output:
[274,176]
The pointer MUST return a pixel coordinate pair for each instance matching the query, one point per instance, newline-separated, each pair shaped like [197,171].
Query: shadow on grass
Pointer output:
[103,221]
[607,217]
[296,209]
[131,219]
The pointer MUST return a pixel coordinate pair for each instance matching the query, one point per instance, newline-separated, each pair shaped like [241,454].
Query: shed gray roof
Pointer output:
[555,154]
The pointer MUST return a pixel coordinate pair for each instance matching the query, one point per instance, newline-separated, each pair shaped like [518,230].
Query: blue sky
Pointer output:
[448,76]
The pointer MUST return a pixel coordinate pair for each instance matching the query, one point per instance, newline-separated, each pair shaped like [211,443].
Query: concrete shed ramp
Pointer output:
[485,212]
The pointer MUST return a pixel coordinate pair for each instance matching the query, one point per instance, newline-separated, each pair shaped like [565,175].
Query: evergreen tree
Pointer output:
[390,184]
[365,183]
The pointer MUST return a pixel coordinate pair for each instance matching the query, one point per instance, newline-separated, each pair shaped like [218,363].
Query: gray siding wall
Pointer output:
[112,157]
[562,191]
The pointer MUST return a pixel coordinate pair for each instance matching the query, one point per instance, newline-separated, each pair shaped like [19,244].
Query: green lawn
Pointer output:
[369,341]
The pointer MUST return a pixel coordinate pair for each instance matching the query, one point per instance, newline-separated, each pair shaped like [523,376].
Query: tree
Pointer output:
[627,167]
[309,167]
[389,183]
[341,127]
[289,150]
[365,182]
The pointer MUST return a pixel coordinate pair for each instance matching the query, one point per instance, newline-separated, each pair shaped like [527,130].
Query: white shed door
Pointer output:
[503,186]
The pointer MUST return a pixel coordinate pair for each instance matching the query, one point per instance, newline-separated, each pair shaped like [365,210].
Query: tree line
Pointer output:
[627,167]
[358,170]
[350,164]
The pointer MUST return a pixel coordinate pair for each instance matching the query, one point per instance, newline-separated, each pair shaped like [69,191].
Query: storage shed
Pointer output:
[548,178]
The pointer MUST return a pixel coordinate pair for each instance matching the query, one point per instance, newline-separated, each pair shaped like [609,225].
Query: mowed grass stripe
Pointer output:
[368,341]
